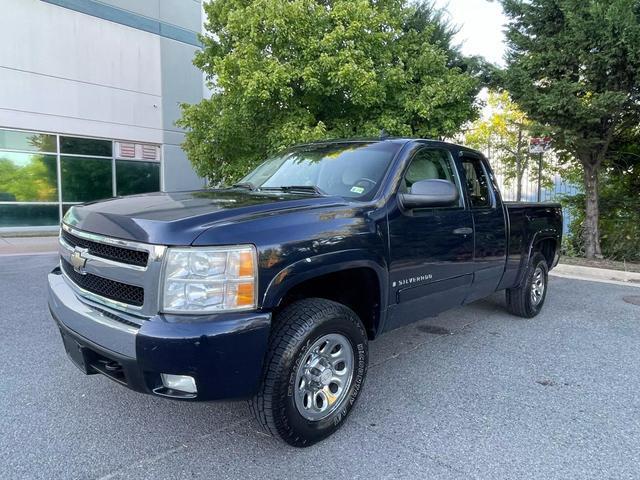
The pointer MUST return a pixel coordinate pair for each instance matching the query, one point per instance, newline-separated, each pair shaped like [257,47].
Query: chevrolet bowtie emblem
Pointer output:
[78,260]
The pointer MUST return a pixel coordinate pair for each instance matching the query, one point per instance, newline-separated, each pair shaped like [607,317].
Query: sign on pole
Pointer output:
[539,144]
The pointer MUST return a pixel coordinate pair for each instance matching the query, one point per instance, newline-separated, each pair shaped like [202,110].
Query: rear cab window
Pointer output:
[477,183]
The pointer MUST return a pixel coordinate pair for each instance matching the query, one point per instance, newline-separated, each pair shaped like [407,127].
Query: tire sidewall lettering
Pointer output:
[356,386]
[348,326]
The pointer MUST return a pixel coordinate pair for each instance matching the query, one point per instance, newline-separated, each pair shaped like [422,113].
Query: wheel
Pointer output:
[527,300]
[314,371]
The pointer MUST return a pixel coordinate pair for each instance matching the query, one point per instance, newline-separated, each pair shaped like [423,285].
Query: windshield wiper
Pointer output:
[297,188]
[247,185]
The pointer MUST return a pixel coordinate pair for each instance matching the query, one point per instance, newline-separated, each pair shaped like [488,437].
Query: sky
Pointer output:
[481,24]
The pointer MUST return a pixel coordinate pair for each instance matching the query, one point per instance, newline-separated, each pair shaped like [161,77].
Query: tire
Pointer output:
[523,301]
[295,358]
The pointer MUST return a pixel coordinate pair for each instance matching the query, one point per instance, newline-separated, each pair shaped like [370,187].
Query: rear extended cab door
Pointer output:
[489,223]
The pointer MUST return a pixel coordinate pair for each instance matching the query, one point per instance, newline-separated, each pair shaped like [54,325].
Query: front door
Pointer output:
[430,249]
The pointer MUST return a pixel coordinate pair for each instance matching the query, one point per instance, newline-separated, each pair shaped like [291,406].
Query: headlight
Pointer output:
[209,279]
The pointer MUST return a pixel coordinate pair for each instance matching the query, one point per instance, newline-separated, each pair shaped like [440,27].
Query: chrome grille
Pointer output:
[110,252]
[114,273]
[117,291]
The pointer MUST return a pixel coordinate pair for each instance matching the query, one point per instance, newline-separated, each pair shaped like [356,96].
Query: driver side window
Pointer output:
[430,164]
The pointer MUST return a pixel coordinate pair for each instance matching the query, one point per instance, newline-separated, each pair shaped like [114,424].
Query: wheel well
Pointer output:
[548,248]
[357,288]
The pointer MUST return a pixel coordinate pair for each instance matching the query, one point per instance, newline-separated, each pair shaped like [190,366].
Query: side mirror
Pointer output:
[430,193]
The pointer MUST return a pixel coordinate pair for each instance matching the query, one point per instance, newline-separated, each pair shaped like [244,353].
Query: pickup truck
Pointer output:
[269,290]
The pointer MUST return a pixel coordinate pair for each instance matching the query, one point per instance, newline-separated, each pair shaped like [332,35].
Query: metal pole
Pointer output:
[540,177]
[59,179]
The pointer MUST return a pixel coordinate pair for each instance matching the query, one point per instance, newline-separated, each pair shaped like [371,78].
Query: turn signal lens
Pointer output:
[246,265]
[240,294]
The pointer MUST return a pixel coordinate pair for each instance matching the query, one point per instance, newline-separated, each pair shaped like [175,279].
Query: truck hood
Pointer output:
[179,218]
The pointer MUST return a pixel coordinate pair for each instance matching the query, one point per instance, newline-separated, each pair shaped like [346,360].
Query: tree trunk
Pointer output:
[591,233]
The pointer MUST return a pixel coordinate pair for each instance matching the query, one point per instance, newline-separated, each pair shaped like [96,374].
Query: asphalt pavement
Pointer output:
[472,394]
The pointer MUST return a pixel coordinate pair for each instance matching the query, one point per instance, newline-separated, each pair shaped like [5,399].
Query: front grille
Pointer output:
[110,252]
[120,292]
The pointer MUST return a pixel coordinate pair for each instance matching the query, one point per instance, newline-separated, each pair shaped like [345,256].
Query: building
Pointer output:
[89,95]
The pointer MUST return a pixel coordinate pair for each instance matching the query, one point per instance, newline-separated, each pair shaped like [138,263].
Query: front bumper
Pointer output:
[224,352]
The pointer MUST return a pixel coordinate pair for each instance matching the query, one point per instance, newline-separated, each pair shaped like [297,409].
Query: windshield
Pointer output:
[352,170]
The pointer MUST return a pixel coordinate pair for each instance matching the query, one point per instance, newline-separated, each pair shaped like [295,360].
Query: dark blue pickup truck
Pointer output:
[270,289]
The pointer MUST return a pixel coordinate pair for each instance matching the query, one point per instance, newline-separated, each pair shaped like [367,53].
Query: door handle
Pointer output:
[463,231]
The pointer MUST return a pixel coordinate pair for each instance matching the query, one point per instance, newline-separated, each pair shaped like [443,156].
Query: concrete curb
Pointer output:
[13,246]
[616,277]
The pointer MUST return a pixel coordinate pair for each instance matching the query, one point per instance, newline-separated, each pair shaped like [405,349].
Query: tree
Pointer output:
[301,70]
[506,134]
[619,201]
[574,67]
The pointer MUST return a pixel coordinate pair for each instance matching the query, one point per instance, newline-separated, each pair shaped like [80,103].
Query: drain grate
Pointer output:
[632,299]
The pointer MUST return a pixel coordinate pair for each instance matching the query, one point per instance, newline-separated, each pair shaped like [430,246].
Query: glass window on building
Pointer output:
[27,141]
[136,177]
[39,182]
[86,146]
[27,177]
[28,215]
[86,179]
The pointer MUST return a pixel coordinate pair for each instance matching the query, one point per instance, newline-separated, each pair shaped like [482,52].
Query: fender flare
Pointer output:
[318,265]
[547,233]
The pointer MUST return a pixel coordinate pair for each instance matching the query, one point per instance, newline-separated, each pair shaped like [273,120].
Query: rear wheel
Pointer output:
[527,300]
[314,371]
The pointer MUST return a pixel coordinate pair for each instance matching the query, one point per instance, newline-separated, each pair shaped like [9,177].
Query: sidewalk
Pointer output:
[28,245]
[605,275]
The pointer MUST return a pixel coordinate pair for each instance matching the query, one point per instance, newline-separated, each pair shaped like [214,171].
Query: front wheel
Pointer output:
[314,371]
[527,299]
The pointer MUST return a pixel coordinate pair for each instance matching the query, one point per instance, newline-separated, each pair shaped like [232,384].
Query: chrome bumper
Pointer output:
[94,323]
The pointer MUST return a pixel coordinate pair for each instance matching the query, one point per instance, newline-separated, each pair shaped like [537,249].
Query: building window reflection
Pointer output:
[26,177]
[86,179]
[39,181]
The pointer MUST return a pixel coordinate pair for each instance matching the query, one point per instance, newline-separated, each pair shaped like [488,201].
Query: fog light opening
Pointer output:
[181,383]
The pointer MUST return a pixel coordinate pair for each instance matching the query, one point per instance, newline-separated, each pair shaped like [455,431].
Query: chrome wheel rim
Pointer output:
[324,376]
[537,286]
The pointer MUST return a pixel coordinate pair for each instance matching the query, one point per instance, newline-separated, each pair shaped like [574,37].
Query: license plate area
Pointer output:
[77,354]
[90,362]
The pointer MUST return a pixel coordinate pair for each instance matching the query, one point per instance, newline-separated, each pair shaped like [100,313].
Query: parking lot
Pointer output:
[473,393]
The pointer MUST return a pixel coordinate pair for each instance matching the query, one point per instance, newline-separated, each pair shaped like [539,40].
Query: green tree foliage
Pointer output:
[619,202]
[574,67]
[284,72]
[33,181]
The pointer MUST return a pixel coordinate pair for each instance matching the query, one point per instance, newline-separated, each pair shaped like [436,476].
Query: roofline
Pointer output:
[400,140]
[351,140]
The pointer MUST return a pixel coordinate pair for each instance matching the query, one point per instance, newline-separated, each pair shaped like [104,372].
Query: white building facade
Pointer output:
[89,95]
